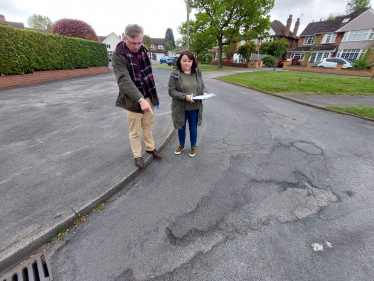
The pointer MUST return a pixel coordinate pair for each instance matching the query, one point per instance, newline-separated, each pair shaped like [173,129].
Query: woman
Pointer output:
[184,83]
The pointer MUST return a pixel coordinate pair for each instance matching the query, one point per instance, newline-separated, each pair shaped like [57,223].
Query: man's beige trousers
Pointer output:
[144,122]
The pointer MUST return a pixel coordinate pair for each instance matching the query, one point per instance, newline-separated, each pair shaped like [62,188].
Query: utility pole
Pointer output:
[188,26]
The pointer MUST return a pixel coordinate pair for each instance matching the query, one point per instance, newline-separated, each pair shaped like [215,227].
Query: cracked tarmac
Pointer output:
[271,182]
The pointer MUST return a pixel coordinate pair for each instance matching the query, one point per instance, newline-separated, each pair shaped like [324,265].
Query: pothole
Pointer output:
[308,148]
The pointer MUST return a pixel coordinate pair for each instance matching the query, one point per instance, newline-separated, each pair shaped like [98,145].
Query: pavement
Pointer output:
[64,149]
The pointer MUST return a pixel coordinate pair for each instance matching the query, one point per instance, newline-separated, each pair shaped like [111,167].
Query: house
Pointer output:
[157,48]
[345,36]
[111,42]
[277,31]
[19,25]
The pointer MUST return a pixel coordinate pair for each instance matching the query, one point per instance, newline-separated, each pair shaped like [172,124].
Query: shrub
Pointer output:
[362,62]
[269,61]
[208,58]
[25,51]
[200,57]
[74,28]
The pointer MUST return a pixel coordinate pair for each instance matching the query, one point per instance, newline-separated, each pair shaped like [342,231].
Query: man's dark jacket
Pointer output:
[129,94]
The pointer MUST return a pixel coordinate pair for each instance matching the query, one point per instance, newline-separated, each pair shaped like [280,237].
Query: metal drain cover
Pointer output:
[35,268]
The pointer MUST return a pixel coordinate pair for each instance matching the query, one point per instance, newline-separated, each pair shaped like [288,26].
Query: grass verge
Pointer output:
[206,67]
[366,111]
[315,84]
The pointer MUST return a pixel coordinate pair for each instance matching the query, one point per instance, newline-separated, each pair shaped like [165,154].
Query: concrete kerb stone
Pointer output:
[297,101]
[21,250]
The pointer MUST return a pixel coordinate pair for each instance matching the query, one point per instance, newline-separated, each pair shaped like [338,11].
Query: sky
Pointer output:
[155,16]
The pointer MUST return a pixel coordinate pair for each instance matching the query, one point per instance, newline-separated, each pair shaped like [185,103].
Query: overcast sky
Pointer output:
[154,15]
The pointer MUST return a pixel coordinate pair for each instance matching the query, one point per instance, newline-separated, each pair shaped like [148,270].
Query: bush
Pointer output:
[200,57]
[362,62]
[74,28]
[208,58]
[26,51]
[269,61]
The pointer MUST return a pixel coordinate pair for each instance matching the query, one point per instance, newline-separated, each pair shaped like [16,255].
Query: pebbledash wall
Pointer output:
[47,76]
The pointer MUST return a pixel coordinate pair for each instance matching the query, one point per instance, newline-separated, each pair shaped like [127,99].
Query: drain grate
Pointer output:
[35,268]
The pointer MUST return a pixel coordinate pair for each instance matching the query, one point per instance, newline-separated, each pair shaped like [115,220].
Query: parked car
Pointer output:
[332,62]
[163,59]
[171,60]
[294,62]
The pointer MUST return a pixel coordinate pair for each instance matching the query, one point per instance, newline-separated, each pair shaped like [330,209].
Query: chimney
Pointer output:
[288,26]
[2,18]
[296,28]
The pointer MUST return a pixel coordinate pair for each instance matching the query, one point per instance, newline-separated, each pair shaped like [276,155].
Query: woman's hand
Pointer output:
[189,99]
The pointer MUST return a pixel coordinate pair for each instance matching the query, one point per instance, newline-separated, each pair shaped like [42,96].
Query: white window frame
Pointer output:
[160,47]
[152,46]
[108,46]
[299,55]
[309,40]
[319,55]
[329,38]
[358,35]
[349,54]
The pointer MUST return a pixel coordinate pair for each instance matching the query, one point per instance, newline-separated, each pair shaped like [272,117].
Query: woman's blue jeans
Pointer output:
[191,116]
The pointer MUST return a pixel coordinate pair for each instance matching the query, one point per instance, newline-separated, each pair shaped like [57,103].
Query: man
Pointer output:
[137,90]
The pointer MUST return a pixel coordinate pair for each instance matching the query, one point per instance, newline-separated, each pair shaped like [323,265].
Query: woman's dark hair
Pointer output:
[191,57]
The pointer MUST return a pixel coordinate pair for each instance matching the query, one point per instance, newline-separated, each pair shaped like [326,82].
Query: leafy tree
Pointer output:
[229,20]
[39,22]
[148,41]
[276,48]
[354,5]
[208,58]
[363,61]
[74,28]
[199,40]
[169,40]
[247,49]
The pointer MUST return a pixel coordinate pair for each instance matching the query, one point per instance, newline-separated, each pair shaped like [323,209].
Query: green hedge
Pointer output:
[26,51]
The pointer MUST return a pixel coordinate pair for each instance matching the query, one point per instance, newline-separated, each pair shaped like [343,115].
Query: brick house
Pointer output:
[157,48]
[277,31]
[345,36]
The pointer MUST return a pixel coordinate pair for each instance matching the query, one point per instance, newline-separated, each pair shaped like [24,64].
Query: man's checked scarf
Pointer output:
[143,78]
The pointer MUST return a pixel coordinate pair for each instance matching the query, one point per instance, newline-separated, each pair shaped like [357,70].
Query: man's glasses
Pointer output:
[133,43]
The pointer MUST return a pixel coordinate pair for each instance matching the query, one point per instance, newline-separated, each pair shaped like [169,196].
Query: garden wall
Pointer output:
[46,76]
[251,64]
[338,70]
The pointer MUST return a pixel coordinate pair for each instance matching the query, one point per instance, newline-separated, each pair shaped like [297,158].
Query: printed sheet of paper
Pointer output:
[202,97]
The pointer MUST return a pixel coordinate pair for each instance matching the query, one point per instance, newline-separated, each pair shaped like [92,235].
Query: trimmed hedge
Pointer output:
[26,51]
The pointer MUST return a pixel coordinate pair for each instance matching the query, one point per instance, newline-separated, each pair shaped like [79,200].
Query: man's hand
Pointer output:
[145,106]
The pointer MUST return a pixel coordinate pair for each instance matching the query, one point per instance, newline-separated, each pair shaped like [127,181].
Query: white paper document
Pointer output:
[204,97]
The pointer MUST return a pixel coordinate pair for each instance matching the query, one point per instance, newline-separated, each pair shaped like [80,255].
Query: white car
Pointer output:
[332,62]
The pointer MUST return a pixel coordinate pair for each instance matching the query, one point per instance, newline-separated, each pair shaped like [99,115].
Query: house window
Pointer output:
[309,40]
[328,38]
[108,46]
[349,54]
[346,20]
[371,35]
[152,46]
[299,57]
[357,35]
[317,57]
[160,47]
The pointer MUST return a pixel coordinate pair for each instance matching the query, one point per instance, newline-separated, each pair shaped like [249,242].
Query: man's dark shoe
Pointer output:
[155,154]
[139,162]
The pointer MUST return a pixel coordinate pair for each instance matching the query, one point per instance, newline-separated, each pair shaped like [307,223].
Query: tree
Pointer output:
[247,49]
[148,41]
[230,20]
[354,5]
[276,48]
[200,41]
[39,22]
[169,40]
[74,28]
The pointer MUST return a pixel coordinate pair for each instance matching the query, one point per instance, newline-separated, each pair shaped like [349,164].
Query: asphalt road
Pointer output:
[277,191]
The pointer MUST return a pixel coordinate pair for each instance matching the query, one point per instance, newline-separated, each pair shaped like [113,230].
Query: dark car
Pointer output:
[163,59]
[171,60]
